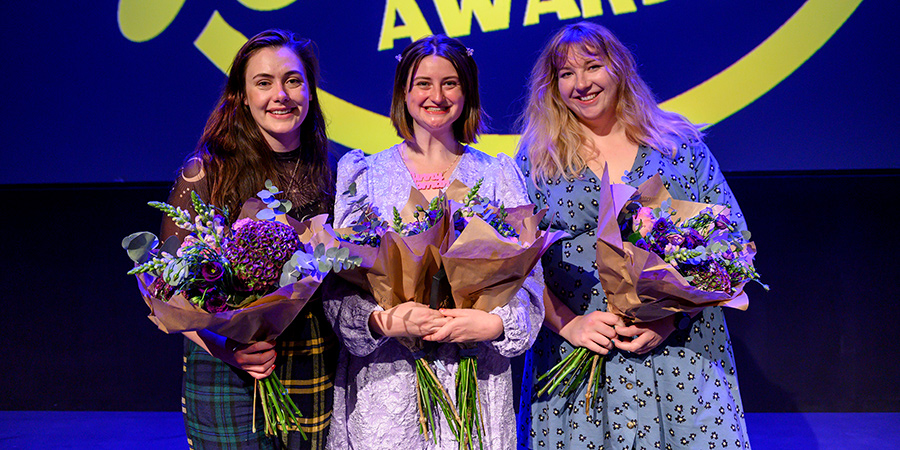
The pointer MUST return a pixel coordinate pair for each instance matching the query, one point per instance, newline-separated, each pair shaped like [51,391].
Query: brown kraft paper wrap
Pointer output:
[639,284]
[485,270]
[262,320]
[400,269]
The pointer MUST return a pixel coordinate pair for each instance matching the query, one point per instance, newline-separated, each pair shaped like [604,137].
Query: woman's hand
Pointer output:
[467,326]
[257,359]
[408,319]
[644,336]
[594,331]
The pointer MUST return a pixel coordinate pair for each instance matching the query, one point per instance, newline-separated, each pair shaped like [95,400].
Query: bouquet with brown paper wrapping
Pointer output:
[397,263]
[486,264]
[680,256]
[246,282]
[656,257]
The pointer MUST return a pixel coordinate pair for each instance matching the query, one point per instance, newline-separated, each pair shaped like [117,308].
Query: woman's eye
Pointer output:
[263,83]
[422,84]
[294,82]
[451,83]
[564,75]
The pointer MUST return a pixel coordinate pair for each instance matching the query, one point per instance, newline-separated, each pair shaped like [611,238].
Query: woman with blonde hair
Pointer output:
[667,383]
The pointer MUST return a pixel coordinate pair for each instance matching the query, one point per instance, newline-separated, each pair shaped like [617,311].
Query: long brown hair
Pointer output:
[236,156]
[471,121]
[551,133]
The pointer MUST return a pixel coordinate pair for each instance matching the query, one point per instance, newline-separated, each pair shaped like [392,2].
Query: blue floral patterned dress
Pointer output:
[683,394]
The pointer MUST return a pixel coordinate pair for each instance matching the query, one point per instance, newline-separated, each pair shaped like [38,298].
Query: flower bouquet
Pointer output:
[398,260]
[246,282]
[492,252]
[657,256]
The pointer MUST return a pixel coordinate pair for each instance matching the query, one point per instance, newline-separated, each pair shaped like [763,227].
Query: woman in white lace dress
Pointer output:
[437,112]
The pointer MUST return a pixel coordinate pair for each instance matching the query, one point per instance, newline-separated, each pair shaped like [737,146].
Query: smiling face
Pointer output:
[277,94]
[588,89]
[434,97]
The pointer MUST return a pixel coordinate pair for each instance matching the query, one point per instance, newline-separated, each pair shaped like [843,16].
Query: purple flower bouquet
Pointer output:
[246,282]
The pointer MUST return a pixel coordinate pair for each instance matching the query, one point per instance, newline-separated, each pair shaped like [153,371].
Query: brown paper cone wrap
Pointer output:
[264,319]
[639,284]
[400,269]
[485,270]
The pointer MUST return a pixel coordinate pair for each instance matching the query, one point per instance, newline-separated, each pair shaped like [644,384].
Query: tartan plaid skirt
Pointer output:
[217,399]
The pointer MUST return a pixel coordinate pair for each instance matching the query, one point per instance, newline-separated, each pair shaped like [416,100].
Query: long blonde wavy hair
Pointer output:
[552,134]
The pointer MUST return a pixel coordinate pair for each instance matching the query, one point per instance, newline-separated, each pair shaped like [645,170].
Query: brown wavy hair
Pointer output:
[551,134]
[236,156]
[471,121]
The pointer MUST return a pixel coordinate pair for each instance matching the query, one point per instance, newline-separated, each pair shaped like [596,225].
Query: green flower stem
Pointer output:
[434,394]
[577,366]
[293,408]
[281,414]
[468,403]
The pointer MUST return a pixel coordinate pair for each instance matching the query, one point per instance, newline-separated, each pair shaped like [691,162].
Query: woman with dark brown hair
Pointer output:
[437,113]
[267,125]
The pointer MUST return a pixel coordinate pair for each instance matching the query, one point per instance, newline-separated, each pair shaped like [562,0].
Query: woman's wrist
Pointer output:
[375,324]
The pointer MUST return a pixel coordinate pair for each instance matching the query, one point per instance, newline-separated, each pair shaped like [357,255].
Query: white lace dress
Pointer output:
[374,394]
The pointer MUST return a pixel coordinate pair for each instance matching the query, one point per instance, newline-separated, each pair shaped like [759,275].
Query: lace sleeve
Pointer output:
[352,170]
[192,177]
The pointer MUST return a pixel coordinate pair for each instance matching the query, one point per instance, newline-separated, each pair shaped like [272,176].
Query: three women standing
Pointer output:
[663,387]
[588,109]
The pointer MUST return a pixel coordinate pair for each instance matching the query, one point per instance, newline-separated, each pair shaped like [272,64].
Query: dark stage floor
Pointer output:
[163,430]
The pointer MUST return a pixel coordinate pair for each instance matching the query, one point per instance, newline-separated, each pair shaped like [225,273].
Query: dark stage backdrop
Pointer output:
[119,91]
[105,99]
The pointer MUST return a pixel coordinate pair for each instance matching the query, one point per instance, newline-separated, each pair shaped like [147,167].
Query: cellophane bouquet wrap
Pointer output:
[246,282]
[492,252]
[398,260]
[656,257]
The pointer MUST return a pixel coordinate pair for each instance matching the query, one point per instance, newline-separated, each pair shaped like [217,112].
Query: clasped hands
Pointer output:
[602,331]
[412,319]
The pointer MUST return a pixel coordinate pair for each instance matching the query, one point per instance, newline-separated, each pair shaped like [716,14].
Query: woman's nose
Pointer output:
[581,82]
[282,94]
[437,95]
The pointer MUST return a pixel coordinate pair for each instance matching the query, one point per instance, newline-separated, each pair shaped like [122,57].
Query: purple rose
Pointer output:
[216,303]
[722,222]
[211,271]
[661,227]
[674,238]
[692,239]
[642,244]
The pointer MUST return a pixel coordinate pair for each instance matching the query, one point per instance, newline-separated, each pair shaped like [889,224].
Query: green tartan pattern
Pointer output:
[217,399]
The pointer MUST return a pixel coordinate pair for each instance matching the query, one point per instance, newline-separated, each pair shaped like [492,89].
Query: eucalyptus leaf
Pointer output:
[351,190]
[324,266]
[138,245]
[265,214]
[264,195]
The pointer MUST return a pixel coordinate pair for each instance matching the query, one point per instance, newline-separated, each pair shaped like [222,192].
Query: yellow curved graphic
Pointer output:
[265,5]
[140,21]
[765,66]
[710,102]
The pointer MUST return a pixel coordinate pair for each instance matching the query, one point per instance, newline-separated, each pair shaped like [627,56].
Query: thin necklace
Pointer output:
[287,192]
[431,180]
